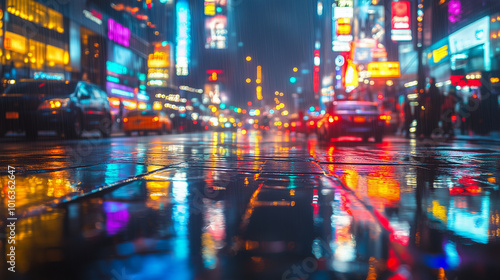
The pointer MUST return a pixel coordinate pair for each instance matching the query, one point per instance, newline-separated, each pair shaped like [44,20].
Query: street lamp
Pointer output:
[248,58]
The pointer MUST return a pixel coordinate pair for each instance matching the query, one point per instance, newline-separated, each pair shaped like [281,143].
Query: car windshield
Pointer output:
[58,89]
[356,107]
[142,113]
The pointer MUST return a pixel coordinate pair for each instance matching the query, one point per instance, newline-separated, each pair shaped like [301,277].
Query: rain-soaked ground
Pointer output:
[232,206]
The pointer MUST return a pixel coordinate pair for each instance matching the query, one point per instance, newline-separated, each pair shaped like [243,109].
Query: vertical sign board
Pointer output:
[215,24]
[159,66]
[470,36]
[183,40]
[342,20]
[317,61]
[401,21]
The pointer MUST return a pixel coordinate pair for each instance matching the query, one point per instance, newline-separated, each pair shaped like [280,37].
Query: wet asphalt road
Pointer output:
[232,206]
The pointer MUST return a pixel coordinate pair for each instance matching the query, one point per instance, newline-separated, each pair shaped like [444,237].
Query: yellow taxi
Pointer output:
[146,121]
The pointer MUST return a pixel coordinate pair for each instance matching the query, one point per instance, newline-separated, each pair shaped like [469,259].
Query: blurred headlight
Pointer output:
[54,104]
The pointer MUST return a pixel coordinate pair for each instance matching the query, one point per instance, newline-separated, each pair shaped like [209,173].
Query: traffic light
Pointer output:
[293,80]
[223,106]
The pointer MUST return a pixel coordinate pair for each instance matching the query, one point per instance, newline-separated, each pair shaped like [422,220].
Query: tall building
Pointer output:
[103,42]
[205,29]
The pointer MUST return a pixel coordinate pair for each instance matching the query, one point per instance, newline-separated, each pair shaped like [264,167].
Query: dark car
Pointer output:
[63,106]
[352,118]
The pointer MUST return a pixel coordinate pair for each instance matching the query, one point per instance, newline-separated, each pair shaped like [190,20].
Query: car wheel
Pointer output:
[32,133]
[162,130]
[366,138]
[2,132]
[145,133]
[105,127]
[75,128]
[128,133]
[378,138]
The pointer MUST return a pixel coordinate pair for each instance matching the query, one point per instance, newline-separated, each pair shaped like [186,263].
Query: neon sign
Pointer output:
[183,41]
[117,89]
[118,33]
[401,21]
[93,16]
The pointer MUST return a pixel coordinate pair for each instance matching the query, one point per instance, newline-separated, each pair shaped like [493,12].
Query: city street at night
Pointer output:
[249,139]
[224,205]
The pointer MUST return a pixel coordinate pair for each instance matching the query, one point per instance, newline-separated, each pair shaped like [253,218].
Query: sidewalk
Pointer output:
[493,136]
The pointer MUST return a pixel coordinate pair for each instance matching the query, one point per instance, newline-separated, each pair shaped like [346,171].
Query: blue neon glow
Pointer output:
[116,68]
[183,40]
[49,76]
[121,92]
[142,97]
[452,256]
[113,79]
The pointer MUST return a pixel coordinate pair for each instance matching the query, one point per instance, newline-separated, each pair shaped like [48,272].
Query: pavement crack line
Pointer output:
[36,210]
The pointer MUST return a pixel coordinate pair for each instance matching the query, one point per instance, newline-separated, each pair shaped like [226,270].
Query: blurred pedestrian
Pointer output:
[448,111]
[473,104]
[432,111]
[464,116]
[408,118]
[120,114]
[420,114]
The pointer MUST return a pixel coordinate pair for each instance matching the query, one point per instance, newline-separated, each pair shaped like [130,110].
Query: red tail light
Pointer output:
[155,119]
[125,120]
[382,117]
[453,118]
[311,123]
[330,119]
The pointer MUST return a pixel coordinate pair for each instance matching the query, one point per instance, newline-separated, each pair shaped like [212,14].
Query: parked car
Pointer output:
[67,107]
[146,121]
[352,118]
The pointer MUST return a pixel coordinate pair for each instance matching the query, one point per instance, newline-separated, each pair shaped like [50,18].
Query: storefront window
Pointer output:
[23,52]
[56,56]
[36,54]
[37,13]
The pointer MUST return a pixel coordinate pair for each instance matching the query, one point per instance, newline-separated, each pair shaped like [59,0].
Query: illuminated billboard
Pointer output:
[401,21]
[216,32]
[159,66]
[342,25]
[213,92]
[118,33]
[216,24]
[384,69]
[183,40]
[159,59]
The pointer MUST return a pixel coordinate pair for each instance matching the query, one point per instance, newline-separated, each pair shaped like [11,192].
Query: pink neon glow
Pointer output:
[454,10]
[118,33]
